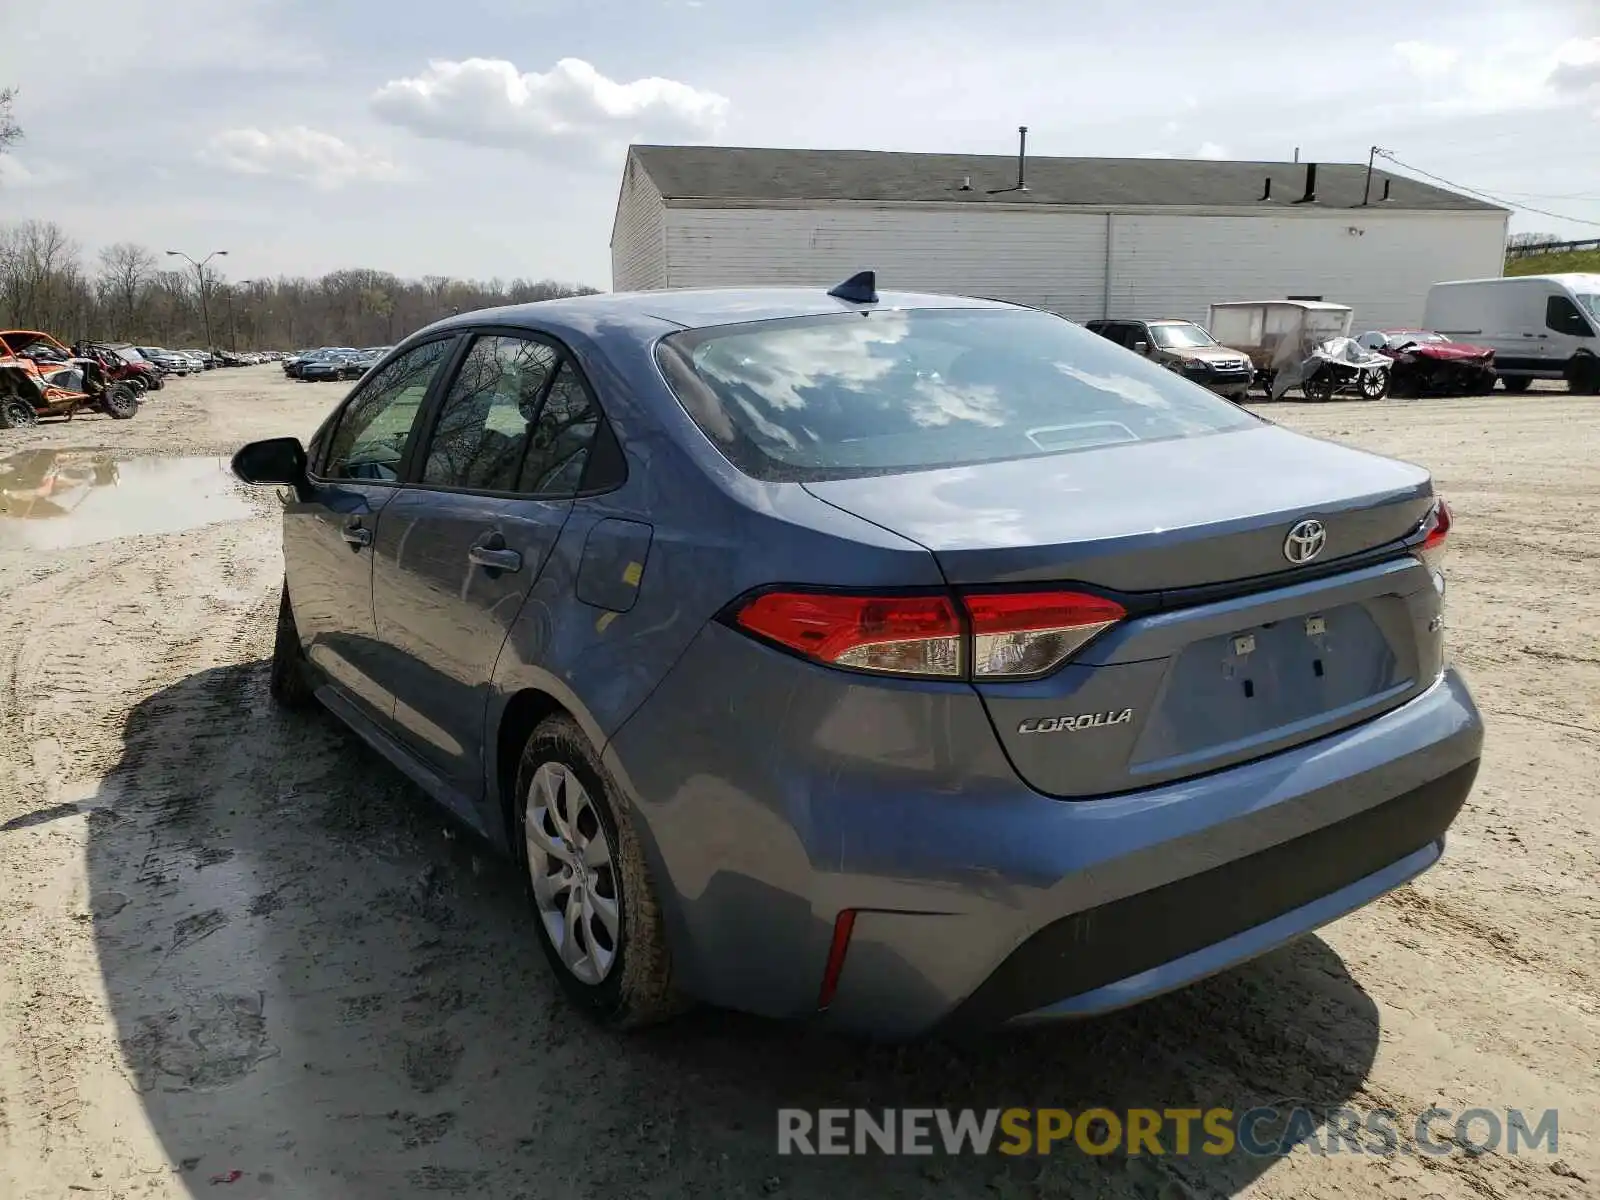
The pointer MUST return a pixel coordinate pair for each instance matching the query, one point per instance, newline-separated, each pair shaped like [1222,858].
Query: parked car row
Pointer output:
[333,363]
[1474,332]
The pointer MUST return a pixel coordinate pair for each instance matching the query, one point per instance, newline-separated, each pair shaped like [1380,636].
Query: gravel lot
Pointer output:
[238,942]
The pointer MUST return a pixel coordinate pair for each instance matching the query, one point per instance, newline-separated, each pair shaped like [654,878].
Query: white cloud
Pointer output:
[1428,60]
[14,173]
[1577,67]
[1510,77]
[1211,150]
[299,153]
[570,111]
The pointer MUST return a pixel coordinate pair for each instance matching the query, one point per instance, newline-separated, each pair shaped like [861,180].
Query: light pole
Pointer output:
[233,330]
[200,275]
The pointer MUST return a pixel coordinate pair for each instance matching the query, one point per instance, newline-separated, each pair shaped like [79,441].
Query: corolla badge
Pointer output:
[1305,542]
[1075,724]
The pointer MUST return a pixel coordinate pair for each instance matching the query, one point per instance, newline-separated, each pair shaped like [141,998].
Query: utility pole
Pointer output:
[200,275]
[1366,195]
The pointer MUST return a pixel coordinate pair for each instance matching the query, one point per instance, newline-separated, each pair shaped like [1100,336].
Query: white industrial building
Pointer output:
[1084,237]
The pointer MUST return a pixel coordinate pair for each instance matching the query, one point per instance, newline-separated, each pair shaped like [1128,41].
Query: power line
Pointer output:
[1585,196]
[1461,187]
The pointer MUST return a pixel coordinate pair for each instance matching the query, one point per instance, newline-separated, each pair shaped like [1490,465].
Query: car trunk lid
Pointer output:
[1230,651]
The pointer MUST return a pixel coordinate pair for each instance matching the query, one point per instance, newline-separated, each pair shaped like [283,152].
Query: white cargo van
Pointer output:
[1539,326]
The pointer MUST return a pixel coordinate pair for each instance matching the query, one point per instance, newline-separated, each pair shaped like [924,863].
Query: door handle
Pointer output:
[356,535]
[492,553]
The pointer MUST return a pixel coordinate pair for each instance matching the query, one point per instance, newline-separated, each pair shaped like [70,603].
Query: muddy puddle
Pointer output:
[53,499]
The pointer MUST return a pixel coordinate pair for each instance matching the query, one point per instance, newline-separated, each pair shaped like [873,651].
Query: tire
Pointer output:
[628,984]
[17,413]
[119,402]
[1583,377]
[1485,384]
[1516,384]
[290,682]
[1374,385]
[1317,389]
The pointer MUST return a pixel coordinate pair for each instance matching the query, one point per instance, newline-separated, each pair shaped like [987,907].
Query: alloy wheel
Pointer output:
[574,878]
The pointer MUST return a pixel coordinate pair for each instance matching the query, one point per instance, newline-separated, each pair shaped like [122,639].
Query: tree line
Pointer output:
[129,293]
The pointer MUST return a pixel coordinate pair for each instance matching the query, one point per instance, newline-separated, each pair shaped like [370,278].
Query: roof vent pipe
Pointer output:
[1386,184]
[1311,185]
[1266,191]
[1022,163]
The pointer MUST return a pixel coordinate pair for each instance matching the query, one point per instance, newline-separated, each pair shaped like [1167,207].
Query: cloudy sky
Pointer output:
[485,137]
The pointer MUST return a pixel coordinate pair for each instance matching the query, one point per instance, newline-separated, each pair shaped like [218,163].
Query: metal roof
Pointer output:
[731,174]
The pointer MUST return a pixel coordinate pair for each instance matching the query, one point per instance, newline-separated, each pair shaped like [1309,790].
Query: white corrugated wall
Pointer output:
[1160,265]
[1054,261]
[1177,266]
[638,240]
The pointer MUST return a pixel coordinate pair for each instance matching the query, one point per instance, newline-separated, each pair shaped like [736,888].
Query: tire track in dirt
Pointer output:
[85,643]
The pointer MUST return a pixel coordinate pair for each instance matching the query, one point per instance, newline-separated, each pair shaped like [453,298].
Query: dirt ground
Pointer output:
[234,941]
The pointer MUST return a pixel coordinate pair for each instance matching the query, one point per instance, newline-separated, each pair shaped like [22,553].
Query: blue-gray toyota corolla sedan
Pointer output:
[900,661]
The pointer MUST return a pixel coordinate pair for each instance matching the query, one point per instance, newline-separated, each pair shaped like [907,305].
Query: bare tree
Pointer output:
[43,286]
[41,281]
[10,131]
[125,269]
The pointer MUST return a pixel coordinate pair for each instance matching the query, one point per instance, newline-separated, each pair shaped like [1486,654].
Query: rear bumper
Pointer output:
[1130,949]
[979,901]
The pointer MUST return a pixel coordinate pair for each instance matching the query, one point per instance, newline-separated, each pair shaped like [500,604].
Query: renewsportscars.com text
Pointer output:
[1259,1132]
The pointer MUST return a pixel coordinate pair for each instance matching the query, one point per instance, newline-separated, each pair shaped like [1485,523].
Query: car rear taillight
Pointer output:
[1436,529]
[894,635]
[1024,634]
[981,635]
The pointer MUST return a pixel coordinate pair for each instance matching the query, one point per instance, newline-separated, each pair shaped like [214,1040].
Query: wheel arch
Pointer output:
[521,715]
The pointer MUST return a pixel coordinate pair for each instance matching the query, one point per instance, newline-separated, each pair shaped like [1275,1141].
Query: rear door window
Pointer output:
[885,391]
[517,420]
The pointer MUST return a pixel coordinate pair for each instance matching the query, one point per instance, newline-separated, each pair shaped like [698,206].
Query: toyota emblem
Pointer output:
[1305,542]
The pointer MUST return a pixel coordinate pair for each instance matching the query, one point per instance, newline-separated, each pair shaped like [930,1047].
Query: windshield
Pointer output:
[1590,301]
[887,391]
[1181,337]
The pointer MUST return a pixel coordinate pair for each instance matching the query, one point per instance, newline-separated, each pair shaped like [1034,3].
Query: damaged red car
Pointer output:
[1430,364]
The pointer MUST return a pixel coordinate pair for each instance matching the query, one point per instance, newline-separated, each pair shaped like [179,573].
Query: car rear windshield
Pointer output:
[893,390]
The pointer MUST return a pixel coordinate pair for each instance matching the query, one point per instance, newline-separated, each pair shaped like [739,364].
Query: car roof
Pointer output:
[697,308]
[1309,304]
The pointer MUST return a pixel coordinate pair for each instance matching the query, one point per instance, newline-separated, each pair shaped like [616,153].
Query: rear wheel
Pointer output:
[119,402]
[1318,388]
[594,905]
[1516,383]
[290,683]
[16,413]
[1583,377]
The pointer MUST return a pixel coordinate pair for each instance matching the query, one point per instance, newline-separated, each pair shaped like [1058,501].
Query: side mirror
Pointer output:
[1141,348]
[276,461]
